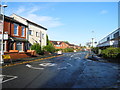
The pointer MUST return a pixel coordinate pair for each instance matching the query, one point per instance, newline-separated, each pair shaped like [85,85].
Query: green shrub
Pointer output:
[49,48]
[58,49]
[111,52]
[36,47]
[68,50]
[95,50]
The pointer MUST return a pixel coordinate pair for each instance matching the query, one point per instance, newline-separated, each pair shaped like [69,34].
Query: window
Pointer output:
[15,29]
[116,35]
[23,31]
[37,34]
[57,45]
[108,38]
[30,32]
[42,35]
[19,46]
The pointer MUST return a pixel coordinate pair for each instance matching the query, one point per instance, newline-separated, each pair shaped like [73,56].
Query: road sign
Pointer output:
[6,57]
[5,36]
[1,26]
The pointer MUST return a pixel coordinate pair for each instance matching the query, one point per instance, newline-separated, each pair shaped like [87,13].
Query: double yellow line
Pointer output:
[9,65]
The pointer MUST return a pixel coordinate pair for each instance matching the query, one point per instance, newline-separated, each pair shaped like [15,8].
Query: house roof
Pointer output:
[56,42]
[11,19]
[31,22]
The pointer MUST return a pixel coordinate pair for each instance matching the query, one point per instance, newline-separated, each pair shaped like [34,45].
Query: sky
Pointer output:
[75,22]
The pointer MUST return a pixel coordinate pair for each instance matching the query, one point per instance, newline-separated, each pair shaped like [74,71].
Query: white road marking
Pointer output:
[47,64]
[30,66]
[115,67]
[63,68]
[9,76]
[69,64]
[89,60]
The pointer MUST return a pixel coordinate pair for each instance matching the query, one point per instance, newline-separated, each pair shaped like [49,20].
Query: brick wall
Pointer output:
[18,55]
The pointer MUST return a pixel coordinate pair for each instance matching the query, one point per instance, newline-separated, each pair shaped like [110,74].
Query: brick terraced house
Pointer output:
[63,45]
[59,44]
[16,33]
[16,43]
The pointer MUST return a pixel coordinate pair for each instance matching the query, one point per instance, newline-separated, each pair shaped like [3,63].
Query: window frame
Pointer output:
[16,29]
[37,34]
[30,32]
[19,44]
[23,31]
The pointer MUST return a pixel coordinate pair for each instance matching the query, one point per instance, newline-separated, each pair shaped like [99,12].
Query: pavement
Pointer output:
[23,60]
[72,70]
[96,58]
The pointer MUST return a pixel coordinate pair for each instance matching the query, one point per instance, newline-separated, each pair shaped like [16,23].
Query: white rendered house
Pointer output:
[35,32]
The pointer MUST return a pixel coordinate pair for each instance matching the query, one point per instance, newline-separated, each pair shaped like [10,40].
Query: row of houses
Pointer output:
[20,33]
[113,39]
[63,45]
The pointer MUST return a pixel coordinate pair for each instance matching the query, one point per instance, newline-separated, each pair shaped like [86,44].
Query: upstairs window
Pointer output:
[57,45]
[37,34]
[42,35]
[108,38]
[30,32]
[116,35]
[23,31]
[16,29]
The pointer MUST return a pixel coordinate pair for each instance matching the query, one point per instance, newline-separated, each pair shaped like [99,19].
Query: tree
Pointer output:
[36,47]
[49,48]
[66,41]
[47,40]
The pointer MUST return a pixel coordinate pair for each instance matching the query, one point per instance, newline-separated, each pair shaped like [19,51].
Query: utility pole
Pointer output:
[2,30]
[92,39]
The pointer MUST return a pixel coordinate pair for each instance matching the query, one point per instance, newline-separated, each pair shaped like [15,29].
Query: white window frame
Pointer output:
[37,34]
[23,31]
[43,35]
[31,32]
[17,29]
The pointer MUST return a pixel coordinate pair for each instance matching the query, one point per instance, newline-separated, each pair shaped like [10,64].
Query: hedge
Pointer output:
[111,52]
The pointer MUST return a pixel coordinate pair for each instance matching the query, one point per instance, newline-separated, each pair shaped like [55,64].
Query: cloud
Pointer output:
[30,13]
[33,9]
[46,21]
[103,12]
[62,0]
[20,10]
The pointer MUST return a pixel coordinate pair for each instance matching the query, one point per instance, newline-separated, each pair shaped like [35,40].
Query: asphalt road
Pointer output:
[69,71]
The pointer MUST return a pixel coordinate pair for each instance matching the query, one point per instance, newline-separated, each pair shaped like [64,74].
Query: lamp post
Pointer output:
[2,35]
[92,41]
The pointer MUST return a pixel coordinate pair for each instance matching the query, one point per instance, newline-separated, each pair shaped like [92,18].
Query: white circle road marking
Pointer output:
[47,64]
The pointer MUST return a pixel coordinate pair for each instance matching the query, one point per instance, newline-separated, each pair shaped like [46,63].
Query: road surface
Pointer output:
[72,70]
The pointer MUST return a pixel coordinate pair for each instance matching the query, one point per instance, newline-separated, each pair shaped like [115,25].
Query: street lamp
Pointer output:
[92,41]
[2,35]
